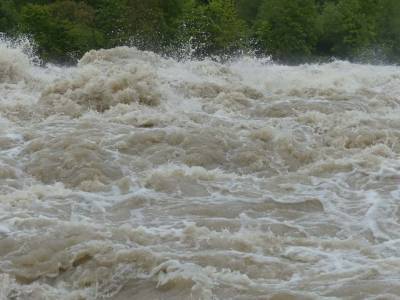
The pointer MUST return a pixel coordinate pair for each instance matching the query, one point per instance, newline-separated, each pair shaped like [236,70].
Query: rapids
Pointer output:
[132,176]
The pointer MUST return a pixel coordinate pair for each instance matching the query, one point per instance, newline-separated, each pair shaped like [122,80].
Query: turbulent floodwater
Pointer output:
[131,176]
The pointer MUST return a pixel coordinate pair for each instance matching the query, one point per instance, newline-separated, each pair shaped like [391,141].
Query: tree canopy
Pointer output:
[288,30]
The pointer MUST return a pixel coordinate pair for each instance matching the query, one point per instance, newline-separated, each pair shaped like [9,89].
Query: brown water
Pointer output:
[131,176]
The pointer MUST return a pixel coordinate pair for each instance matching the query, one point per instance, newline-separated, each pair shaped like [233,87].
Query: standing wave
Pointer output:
[132,176]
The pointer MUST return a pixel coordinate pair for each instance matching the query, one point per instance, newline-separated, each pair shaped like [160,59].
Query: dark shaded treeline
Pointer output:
[289,30]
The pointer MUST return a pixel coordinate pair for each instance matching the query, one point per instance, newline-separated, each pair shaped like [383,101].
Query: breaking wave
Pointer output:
[132,176]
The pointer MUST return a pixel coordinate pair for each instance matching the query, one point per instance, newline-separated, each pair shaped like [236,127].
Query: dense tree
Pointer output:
[64,30]
[228,31]
[248,10]
[349,27]
[111,20]
[214,28]
[289,30]
[389,28]
[8,16]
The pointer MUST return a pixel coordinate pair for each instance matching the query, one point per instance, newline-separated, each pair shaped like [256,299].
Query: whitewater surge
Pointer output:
[132,176]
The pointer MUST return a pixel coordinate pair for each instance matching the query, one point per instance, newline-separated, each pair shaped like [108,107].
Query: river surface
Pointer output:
[132,176]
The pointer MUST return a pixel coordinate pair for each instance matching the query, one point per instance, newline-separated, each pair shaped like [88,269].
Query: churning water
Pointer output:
[132,176]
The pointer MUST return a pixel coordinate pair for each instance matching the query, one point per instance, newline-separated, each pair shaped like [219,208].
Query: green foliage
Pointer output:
[63,30]
[146,22]
[289,30]
[48,33]
[110,21]
[229,30]
[389,28]
[8,16]
[214,28]
[349,27]
[248,10]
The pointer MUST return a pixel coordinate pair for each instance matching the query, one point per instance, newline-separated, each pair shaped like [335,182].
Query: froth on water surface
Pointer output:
[131,176]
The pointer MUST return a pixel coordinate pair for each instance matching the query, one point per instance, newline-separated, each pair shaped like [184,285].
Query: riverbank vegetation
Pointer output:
[291,31]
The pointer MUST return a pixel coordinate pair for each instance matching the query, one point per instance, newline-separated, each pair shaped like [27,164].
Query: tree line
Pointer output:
[291,31]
